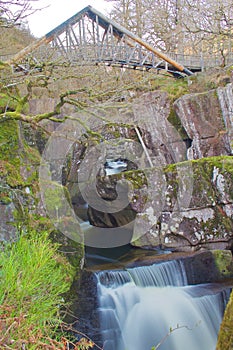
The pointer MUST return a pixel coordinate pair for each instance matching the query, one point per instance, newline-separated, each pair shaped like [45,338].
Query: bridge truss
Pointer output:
[89,37]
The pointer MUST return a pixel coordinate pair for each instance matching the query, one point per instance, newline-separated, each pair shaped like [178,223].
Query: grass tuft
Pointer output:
[33,278]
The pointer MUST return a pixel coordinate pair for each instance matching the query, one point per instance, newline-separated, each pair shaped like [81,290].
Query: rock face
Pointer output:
[149,114]
[207,120]
[182,206]
[194,209]
[204,217]
[152,111]
[85,304]
[186,207]
[8,232]
[225,97]
[19,202]
[105,187]
[21,208]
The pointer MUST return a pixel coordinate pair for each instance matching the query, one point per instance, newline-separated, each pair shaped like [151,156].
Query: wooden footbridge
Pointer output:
[89,37]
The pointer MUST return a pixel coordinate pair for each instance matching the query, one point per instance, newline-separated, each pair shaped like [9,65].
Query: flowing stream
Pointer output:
[144,306]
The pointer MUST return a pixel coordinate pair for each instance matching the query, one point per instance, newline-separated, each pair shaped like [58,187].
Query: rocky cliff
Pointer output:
[177,204]
[185,200]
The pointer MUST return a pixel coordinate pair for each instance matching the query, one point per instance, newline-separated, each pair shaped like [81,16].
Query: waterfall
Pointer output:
[143,306]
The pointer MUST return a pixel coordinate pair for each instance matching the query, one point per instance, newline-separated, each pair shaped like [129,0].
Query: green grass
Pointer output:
[33,278]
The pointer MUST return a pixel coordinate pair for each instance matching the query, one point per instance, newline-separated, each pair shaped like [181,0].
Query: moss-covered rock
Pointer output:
[9,140]
[19,197]
[223,262]
[73,250]
[225,337]
[200,212]
[18,180]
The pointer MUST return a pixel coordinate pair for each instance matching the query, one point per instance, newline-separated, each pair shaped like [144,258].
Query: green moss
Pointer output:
[16,173]
[3,65]
[30,155]
[221,223]
[53,194]
[175,121]
[206,165]
[223,262]
[172,168]
[203,167]
[6,103]
[136,177]
[174,87]
[117,130]
[12,148]
[9,140]
[16,155]
[4,198]
[11,174]
[225,337]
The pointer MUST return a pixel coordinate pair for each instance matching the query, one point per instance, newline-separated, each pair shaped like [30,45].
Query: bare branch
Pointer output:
[12,12]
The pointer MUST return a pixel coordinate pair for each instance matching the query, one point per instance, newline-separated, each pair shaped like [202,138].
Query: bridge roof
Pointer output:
[103,21]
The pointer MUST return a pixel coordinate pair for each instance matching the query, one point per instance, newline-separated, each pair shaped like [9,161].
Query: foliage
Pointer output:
[180,26]
[33,279]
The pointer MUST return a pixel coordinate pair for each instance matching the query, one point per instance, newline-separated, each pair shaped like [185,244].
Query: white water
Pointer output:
[115,166]
[139,307]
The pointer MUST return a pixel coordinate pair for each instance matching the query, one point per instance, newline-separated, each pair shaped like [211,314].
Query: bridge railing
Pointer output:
[202,61]
[94,53]
[98,53]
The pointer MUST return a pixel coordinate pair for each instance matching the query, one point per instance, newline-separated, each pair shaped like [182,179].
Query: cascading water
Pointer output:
[141,307]
[153,306]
